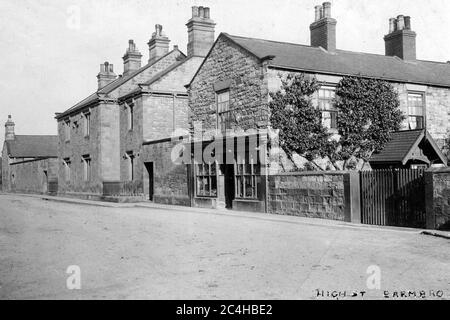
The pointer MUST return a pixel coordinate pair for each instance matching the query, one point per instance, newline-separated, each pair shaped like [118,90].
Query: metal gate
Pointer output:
[393,198]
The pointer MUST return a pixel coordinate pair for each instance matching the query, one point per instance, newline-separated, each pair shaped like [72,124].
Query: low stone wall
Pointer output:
[330,195]
[437,198]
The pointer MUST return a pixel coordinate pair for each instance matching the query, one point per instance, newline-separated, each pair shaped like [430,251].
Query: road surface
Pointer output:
[161,253]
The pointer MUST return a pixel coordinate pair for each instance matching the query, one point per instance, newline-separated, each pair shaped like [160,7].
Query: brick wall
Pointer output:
[248,87]
[313,195]
[170,180]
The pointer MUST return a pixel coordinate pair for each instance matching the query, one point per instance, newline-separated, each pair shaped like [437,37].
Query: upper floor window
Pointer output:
[87,167]
[416,107]
[130,160]
[67,130]
[87,124]
[223,111]
[326,105]
[130,115]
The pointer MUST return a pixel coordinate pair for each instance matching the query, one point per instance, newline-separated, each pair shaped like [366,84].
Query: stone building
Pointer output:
[230,93]
[107,141]
[29,162]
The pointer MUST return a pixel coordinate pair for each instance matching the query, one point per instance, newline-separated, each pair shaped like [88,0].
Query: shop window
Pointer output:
[248,179]
[206,180]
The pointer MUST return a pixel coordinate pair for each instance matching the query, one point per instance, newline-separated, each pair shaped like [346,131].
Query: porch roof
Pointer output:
[410,145]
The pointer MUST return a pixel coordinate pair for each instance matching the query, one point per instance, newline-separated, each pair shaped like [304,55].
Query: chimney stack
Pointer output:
[401,40]
[106,74]
[131,59]
[200,32]
[9,129]
[158,44]
[323,29]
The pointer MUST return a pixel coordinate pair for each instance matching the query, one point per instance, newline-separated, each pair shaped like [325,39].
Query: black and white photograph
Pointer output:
[225,155]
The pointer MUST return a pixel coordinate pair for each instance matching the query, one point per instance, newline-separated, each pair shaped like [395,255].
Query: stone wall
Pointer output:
[437,198]
[170,179]
[229,63]
[33,176]
[313,195]
[75,148]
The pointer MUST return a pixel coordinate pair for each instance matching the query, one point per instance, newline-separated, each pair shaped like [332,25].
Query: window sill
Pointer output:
[247,200]
[206,197]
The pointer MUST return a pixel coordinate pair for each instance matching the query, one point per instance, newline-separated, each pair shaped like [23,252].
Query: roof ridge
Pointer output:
[274,41]
[337,50]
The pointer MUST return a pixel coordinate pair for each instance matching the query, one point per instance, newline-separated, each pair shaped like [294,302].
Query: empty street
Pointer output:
[127,252]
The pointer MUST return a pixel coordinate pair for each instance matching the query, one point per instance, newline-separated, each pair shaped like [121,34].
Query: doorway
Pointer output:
[228,171]
[151,179]
[45,182]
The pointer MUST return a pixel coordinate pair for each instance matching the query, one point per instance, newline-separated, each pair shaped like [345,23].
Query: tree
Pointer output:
[368,111]
[298,121]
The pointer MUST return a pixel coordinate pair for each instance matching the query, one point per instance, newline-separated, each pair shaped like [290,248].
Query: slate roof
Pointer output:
[33,146]
[341,62]
[111,87]
[399,146]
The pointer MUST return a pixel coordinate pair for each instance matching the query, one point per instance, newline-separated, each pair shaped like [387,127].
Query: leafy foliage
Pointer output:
[368,111]
[298,121]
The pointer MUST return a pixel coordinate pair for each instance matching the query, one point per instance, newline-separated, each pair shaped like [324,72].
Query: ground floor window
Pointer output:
[248,179]
[67,165]
[206,180]
[130,164]
[87,167]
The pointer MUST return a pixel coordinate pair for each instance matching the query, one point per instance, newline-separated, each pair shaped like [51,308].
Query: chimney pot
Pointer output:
[158,44]
[408,23]
[200,34]
[206,12]
[317,13]
[9,129]
[401,40]
[323,30]
[326,9]
[400,22]
[106,74]
[194,11]
[392,25]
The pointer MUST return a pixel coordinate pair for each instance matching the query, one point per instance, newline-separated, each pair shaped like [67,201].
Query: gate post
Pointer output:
[352,195]
[429,200]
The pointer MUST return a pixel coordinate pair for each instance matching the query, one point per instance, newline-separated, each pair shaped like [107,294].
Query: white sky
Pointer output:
[48,65]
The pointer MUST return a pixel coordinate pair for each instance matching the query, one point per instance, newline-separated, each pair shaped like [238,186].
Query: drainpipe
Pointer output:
[173,113]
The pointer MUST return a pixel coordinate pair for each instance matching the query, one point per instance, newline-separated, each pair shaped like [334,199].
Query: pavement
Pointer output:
[269,217]
[148,251]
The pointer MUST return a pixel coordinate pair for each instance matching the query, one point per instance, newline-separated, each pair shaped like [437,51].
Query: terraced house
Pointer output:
[101,139]
[230,93]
